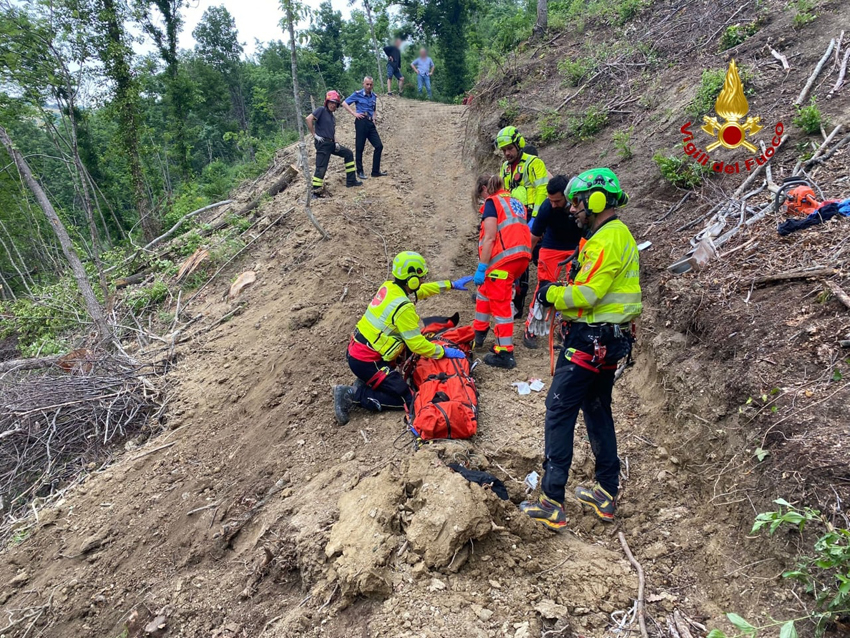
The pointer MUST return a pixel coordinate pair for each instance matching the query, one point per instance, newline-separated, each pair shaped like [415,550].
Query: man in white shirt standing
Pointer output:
[424,68]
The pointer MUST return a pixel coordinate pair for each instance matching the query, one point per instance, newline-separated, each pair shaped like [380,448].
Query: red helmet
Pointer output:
[333,96]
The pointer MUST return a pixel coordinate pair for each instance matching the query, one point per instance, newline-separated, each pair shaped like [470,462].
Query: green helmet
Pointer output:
[409,264]
[601,182]
[509,135]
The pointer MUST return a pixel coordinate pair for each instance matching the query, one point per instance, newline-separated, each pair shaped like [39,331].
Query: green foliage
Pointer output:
[622,142]
[510,109]
[142,299]
[40,320]
[804,12]
[809,118]
[550,127]
[627,10]
[709,87]
[735,34]
[588,124]
[574,71]
[680,171]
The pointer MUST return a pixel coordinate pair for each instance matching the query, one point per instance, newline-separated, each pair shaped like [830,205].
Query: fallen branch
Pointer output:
[758,171]
[674,208]
[176,226]
[840,81]
[820,149]
[794,274]
[814,76]
[156,449]
[281,184]
[842,296]
[782,59]
[569,98]
[831,152]
[29,364]
[641,585]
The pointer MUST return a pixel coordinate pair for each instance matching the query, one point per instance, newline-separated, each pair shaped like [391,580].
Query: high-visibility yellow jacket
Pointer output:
[391,322]
[607,287]
[527,182]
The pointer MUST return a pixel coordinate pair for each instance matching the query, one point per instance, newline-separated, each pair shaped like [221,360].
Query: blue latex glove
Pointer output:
[479,274]
[460,284]
[453,353]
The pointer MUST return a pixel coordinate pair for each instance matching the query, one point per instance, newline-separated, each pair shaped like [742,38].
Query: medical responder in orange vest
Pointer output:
[600,304]
[389,324]
[504,251]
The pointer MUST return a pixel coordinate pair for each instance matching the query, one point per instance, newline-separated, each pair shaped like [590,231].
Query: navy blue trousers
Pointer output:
[392,393]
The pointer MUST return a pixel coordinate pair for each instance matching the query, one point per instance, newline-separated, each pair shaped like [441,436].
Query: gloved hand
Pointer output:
[453,353]
[478,278]
[460,284]
[541,294]
[318,138]
[336,147]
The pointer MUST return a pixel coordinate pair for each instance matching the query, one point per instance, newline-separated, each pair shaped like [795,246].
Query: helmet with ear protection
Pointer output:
[510,135]
[410,267]
[599,189]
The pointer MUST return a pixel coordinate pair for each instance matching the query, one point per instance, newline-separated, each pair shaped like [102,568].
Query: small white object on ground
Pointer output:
[531,481]
[644,245]
[536,384]
[522,387]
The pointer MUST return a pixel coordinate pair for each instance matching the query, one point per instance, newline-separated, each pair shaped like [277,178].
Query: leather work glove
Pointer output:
[542,292]
[453,353]
[460,284]
[318,138]
[478,278]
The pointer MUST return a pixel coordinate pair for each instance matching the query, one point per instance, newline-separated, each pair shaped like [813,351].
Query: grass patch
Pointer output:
[573,71]
[588,124]
[680,171]
[804,12]
[549,126]
[709,88]
[736,34]
[809,118]
[510,109]
[623,143]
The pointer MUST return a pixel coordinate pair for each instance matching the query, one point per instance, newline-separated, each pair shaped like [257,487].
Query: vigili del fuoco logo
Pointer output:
[733,131]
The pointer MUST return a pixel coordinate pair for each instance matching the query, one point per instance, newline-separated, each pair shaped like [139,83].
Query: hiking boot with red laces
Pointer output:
[550,513]
[604,505]
[501,359]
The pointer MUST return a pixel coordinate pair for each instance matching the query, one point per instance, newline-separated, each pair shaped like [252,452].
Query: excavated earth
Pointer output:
[265,518]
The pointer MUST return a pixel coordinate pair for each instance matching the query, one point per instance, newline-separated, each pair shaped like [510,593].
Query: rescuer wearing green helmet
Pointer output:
[525,178]
[600,306]
[390,324]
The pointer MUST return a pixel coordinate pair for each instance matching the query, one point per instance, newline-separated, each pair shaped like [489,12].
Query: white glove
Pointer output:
[336,147]
[318,138]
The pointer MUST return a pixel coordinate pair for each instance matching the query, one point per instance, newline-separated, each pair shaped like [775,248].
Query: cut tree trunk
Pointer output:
[281,184]
[542,18]
[29,364]
[92,306]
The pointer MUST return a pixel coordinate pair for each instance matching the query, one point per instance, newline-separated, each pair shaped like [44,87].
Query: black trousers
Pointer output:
[520,293]
[575,387]
[365,129]
[324,150]
[392,392]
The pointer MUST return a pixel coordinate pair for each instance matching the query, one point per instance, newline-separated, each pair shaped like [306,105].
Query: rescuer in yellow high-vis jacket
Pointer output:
[390,324]
[524,175]
[600,305]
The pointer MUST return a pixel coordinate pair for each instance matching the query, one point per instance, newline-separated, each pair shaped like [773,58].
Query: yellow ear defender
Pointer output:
[413,283]
[597,202]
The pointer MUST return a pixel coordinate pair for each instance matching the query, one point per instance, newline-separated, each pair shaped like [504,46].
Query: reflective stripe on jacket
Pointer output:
[528,181]
[607,286]
[513,236]
[391,322]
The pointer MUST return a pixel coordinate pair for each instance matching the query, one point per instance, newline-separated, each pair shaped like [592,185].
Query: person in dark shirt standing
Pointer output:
[322,126]
[366,104]
[393,53]
[556,231]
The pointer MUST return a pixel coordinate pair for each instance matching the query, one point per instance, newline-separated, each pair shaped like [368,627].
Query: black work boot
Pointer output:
[529,340]
[343,400]
[480,336]
[353,183]
[501,359]
[361,175]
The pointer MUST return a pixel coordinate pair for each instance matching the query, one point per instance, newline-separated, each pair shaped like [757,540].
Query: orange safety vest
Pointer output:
[513,236]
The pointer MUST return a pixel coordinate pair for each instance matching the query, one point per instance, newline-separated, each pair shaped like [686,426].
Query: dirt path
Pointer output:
[226,532]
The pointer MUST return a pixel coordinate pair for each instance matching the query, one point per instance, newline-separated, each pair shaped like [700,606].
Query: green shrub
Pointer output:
[622,142]
[40,320]
[809,118]
[574,71]
[585,126]
[510,109]
[709,88]
[216,180]
[190,243]
[804,12]
[680,171]
[735,34]
[550,128]
[189,199]
[629,9]
[142,298]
